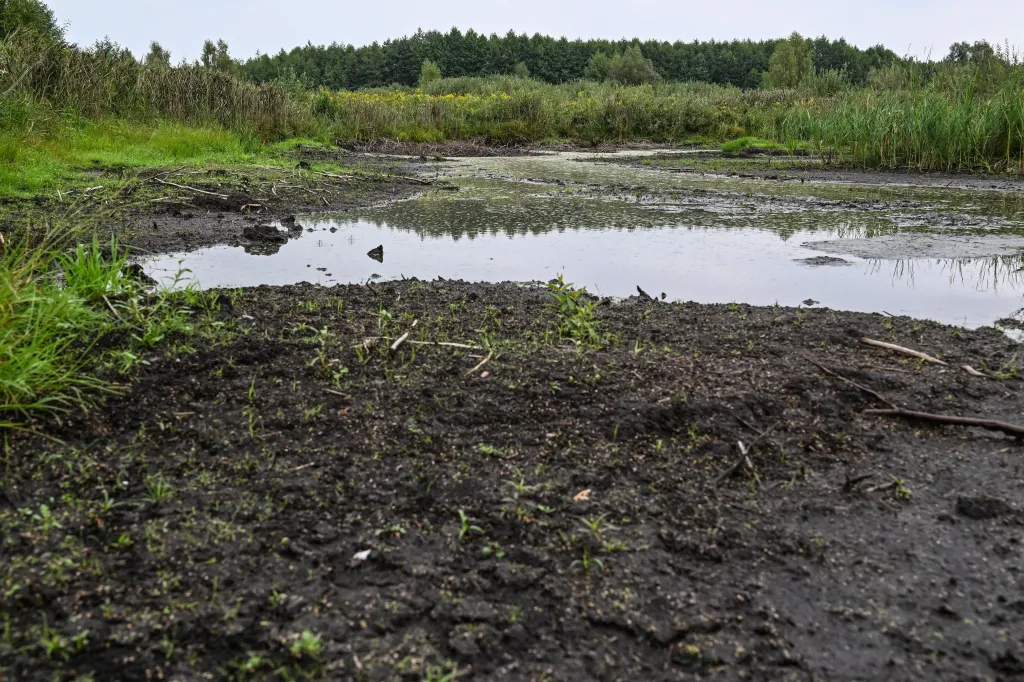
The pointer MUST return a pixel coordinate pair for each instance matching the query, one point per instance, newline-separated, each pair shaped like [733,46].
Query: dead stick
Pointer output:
[975,373]
[744,459]
[867,390]
[401,339]
[990,424]
[482,363]
[446,344]
[906,351]
[191,189]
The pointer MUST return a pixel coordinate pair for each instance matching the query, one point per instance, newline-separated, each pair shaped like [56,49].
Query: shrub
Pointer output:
[632,68]
[791,63]
[598,67]
[429,73]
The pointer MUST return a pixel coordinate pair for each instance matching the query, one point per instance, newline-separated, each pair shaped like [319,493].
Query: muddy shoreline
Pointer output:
[531,510]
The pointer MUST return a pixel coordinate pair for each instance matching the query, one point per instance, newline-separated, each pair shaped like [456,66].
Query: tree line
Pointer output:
[742,63]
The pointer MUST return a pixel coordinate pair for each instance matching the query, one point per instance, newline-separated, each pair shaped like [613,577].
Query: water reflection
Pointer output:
[685,262]
[995,274]
[707,239]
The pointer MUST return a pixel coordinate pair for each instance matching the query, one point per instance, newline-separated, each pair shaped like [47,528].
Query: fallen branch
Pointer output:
[412,179]
[191,189]
[482,363]
[990,424]
[852,483]
[401,339]
[166,173]
[976,373]
[446,344]
[905,351]
[335,175]
[878,396]
[743,461]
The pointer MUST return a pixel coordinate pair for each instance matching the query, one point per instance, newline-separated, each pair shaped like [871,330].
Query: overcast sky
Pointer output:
[906,26]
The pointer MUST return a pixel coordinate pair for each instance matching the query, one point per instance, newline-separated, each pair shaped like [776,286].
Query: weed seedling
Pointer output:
[587,562]
[466,529]
[308,645]
[574,314]
[158,490]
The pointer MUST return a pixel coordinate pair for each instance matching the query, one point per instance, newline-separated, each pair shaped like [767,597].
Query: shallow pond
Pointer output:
[955,256]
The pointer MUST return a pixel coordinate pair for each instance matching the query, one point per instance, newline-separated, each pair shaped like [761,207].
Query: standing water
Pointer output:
[955,256]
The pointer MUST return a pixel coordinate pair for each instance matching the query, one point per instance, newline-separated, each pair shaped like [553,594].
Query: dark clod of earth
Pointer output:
[688,496]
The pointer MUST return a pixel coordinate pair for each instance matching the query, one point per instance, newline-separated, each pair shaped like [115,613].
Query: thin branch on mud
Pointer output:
[482,363]
[976,373]
[990,424]
[446,344]
[852,483]
[165,173]
[875,394]
[401,339]
[191,189]
[881,488]
[412,179]
[905,351]
[742,462]
[337,176]
[337,393]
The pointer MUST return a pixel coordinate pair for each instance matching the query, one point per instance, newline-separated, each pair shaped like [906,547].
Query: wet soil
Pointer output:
[190,220]
[784,168]
[300,501]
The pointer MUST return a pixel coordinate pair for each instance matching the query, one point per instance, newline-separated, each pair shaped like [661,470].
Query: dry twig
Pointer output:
[990,424]
[905,351]
[482,363]
[191,189]
[875,394]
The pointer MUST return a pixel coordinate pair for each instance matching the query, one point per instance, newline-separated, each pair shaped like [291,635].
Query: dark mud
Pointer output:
[784,168]
[548,514]
[190,220]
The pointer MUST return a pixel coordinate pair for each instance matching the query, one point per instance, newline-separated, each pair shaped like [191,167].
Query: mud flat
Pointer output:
[378,478]
[513,506]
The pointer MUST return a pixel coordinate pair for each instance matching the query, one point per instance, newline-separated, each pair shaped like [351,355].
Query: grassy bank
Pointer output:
[72,314]
[63,107]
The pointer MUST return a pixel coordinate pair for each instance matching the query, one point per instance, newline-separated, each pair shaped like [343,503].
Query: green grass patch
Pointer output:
[55,307]
[752,144]
[61,159]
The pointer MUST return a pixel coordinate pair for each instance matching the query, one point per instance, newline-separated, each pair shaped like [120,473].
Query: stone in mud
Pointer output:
[377,254]
[134,271]
[264,233]
[823,260]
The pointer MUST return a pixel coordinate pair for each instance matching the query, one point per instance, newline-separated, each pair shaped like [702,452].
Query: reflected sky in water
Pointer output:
[707,239]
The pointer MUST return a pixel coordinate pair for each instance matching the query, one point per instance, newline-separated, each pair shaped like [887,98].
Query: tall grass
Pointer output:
[935,127]
[106,81]
[57,304]
[511,110]
[916,116]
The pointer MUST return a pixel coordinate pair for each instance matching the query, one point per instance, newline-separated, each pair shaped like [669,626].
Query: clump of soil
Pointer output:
[323,495]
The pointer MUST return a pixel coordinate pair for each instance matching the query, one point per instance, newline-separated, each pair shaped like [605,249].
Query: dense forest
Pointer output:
[740,62]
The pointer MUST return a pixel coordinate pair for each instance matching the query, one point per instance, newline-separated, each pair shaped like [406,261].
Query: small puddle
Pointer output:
[953,256]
